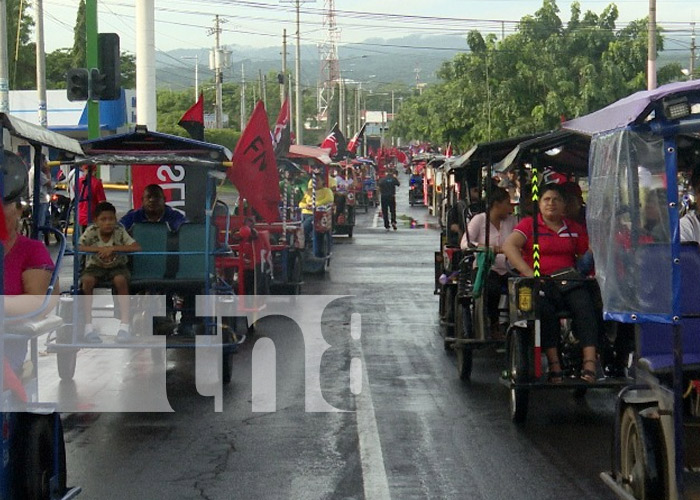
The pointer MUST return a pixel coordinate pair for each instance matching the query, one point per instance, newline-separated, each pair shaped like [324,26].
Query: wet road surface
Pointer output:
[414,430]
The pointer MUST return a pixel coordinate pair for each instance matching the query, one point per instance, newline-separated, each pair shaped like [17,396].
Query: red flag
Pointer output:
[401,157]
[448,150]
[352,145]
[254,170]
[335,141]
[193,119]
[282,134]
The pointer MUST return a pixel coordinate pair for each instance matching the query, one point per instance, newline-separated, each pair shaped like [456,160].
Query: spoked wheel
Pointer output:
[640,458]
[517,358]
[294,274]
[37,447]
[462,318]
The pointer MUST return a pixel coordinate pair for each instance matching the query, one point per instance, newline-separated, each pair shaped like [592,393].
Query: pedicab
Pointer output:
[434,181]
[461,305]
[33,449]
[317,253]
[345,203]
[649,280]
[416,181]
[565,154]
[177,264]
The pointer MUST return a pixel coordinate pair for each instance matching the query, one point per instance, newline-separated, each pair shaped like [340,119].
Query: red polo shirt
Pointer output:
[557,249]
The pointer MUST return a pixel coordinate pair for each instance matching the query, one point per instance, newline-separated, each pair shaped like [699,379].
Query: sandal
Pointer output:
[588,375]
[555,376]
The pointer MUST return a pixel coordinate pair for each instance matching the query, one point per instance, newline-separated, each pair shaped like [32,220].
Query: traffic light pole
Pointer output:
[93,107]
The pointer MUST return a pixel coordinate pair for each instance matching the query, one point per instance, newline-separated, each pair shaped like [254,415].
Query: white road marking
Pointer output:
[376,484]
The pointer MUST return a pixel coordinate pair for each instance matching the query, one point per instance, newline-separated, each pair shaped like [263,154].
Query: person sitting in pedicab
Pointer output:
[27,265]
[106,238]
[324,196]
[153,209]
[501,224]
[561,242]
[690,222]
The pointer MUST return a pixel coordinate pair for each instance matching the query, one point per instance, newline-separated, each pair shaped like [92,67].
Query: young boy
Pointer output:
[106,238]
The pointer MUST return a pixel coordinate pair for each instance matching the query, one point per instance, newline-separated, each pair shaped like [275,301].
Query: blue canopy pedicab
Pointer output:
[649,278]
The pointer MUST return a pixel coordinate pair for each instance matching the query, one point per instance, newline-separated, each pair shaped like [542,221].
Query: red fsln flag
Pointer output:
[335,141]
[352,145]
[281,135]
[193,119]
[254,170]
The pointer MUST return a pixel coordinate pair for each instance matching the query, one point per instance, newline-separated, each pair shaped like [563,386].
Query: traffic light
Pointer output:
[97,85]
[77,84]
[109,66]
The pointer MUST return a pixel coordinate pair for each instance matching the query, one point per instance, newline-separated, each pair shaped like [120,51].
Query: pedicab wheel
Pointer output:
[449,312]
[66,361]
[640,458]
[517,357]
[36,451]
[464,351]
[227,353]
[327,251]
[350,231]
[295,274]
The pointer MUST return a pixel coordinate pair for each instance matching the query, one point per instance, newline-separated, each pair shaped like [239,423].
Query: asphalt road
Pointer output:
[413,431]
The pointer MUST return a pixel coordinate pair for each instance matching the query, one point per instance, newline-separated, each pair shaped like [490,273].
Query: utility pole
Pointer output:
[692,51]
[40,61]
[216,31]
[196,74]
[283,80]
[243,117]
[93,107]
[297,86]
[146,113]
[651,58]
[341,106]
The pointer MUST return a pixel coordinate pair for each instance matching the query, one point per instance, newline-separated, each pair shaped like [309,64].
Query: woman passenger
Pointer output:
[27,265]
[561,242]
[501,224]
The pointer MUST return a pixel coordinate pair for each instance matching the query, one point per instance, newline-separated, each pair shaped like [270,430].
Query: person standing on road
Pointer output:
[45,190]
[90,194]
[387,190]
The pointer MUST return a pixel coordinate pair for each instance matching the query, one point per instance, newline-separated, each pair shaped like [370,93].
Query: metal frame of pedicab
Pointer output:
[416,179]
[656,434]
[143,147]
[316,161]
[562,151]
[45,424]
[368,194]
[465,333]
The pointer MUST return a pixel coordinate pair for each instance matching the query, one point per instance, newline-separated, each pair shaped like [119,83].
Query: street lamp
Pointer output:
[196,74]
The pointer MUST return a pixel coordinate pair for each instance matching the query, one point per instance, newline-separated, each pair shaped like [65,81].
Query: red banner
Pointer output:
[254,171]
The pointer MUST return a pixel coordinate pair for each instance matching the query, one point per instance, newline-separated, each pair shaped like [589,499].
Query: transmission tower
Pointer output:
[330,69]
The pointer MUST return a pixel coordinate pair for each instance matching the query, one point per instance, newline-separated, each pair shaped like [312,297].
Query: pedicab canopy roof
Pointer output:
[632,109]
[486,152]
[39,135]
[313,152]
[562,150]
[143,147]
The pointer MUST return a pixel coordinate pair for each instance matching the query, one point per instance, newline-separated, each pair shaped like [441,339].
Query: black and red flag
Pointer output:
[193,119]
[282,133]
[335,141]
[254,171]
[352,145]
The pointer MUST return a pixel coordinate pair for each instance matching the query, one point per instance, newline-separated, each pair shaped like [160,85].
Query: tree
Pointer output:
[79,51]
[20,52]
[532,79]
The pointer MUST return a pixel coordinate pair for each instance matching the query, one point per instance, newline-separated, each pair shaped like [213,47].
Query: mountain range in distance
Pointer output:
[409,60]
[373,63]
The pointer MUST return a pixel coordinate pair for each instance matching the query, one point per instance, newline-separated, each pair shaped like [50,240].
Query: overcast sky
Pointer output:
[259,23]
